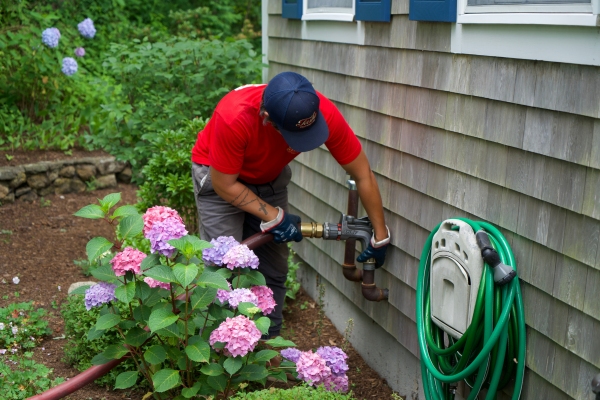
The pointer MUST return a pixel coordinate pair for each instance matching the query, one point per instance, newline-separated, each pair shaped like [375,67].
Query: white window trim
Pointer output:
[328,13]
[552,14]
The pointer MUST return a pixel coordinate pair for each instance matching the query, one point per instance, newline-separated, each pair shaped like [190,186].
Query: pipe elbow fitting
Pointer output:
[352,273]
[373,293]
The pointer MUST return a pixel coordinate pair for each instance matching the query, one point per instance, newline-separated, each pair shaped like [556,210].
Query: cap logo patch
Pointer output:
[306,122]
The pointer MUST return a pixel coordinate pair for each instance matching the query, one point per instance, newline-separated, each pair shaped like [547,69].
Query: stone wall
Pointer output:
[74,175]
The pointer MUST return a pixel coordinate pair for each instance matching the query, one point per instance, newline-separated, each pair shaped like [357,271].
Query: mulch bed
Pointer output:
[39,242]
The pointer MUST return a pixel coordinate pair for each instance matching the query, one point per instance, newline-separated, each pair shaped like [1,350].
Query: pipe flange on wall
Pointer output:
[456,269]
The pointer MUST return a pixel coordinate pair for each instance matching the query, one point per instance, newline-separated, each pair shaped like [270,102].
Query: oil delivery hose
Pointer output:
[491,352]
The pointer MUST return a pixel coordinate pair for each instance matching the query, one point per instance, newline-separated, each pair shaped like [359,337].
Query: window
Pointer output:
[337,10]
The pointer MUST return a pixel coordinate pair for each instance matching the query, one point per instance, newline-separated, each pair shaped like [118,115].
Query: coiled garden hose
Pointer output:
[491,352]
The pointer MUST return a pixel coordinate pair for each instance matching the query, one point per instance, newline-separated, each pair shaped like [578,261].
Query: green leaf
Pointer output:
[212,369]
[161,273]
[142,290]
[136,336]
[170,331]
[96,247]
[254,372]
[104,273]
[109,201]
[185,274]
[150,261]
[124,211]
[131,226]
[202,297]
[218,383]
[233,364]
[126,379]
[248,309]
[263,324]
[280,342]
[80,290]
[115,351]
[107,321]
[91,211]
[100,359]
[255,278]
[215,280]
[191,392]
[165,379]
[155,354]
[265,355]
[161,318]
[127,324]
[281,375]
[94,333]
[142,313]
[189,245]
[197,349]
[125,293]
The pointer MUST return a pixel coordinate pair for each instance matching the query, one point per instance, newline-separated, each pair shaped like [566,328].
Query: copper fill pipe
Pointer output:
[349,267]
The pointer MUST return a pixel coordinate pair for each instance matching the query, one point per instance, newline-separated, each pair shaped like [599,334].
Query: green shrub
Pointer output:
[301,392]
[79,351]
[167,179]
[160,85]
[24,377]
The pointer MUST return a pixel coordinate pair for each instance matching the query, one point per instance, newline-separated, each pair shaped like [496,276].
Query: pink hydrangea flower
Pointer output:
[239,334]
[158,214]
[266,302]
[129,259]
[240,257]
[242,295]
[154,283]
[163,231]
[312,368]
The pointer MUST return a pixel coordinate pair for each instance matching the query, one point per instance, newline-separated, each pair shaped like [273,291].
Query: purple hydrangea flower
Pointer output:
[238,296]
[80,52]
[221,246]
[86,28]
[69,66]
[337,383]
[98,294]
[223,295]
[335,359]
[240,256]
[291,354]
[163,231]
[50,37]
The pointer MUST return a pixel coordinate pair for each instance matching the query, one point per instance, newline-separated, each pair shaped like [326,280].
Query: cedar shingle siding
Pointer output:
[513,142]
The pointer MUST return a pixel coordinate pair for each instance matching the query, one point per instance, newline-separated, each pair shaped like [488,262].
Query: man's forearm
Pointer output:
[243,198]
[368,191]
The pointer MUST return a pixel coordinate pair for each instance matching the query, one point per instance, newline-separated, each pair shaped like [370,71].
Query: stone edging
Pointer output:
[74,175]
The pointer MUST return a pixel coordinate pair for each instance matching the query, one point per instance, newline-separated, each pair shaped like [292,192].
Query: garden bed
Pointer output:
[39,243]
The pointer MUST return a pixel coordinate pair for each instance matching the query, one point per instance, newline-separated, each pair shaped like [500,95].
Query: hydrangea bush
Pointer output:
[197,309]
[327,366]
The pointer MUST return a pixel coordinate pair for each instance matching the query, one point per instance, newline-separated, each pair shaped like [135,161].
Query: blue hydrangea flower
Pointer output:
[50,37]
[69,66]
[335,358]
[98,294]
[80,52]
[221,245]
[86,28]
[291,354]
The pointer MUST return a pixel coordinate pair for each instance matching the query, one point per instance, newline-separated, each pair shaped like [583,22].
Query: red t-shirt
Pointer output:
[235,141]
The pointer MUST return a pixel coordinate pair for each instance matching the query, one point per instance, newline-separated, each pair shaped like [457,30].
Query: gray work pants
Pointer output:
[217,217]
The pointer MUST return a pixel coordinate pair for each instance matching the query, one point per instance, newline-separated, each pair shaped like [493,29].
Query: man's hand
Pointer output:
[284,228]
[375,250]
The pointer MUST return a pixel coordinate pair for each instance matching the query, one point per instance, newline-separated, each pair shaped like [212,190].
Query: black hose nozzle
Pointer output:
[503,273]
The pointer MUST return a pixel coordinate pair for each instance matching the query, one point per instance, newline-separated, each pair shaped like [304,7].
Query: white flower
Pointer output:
[16,280]
[1,326]
[2,351]
[59,288]
[15,330]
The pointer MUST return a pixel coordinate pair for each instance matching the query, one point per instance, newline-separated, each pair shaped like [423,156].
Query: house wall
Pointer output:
[510,141]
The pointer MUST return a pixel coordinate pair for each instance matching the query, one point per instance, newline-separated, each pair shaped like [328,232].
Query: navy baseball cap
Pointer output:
[293,107]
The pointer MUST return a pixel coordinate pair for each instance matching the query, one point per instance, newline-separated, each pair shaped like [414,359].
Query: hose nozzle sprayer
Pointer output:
[502,272]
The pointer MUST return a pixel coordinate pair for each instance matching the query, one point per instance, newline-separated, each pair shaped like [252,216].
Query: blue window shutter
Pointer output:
[432,10]
[291,9]
[373,10]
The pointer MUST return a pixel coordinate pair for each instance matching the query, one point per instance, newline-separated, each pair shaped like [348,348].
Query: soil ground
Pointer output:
[39,242]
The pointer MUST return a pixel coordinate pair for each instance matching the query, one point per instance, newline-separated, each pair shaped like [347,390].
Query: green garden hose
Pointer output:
[491,352]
